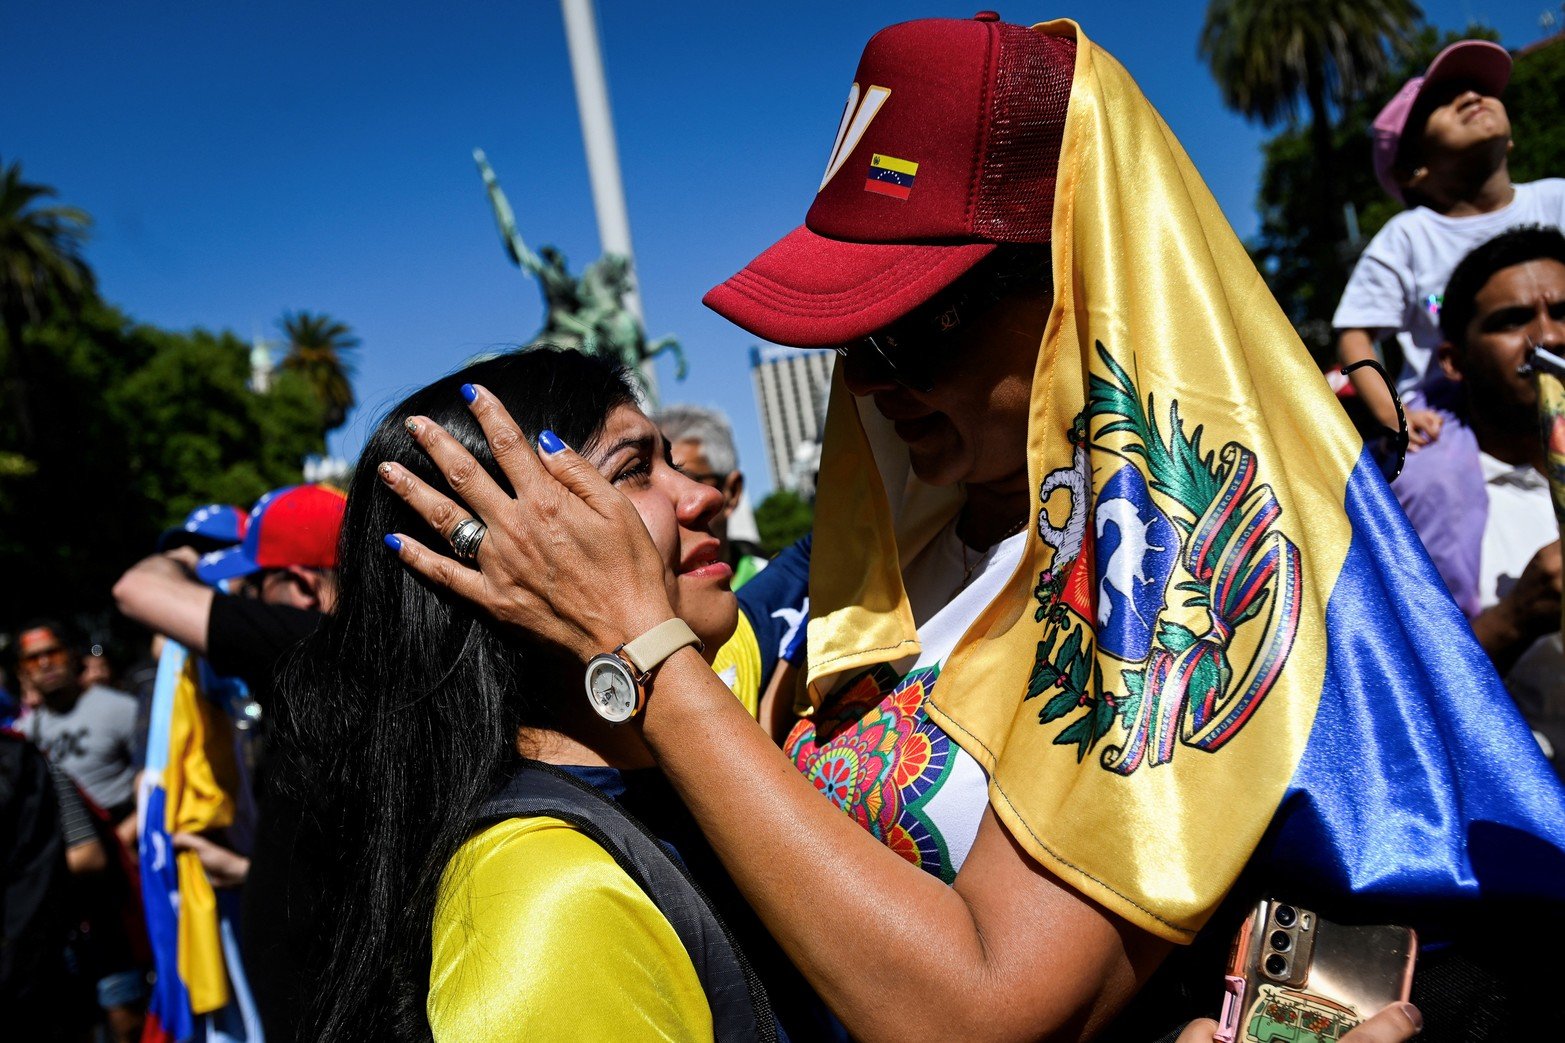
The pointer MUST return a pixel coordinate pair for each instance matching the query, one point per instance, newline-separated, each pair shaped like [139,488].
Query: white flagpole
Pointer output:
[597,131]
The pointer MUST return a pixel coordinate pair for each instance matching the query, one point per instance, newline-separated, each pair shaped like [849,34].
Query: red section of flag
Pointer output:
[886,188]
[1078,581]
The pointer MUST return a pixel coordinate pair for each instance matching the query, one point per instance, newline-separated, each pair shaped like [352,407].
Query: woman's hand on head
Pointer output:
[567,559]
[1398,1022]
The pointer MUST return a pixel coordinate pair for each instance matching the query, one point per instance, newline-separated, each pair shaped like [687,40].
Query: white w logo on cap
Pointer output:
[856,117]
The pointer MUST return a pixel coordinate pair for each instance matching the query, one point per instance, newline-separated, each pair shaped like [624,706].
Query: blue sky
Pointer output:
[246,159]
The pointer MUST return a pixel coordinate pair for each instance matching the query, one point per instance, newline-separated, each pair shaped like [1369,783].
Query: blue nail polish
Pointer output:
[394,541]
[469,392]
[550,442]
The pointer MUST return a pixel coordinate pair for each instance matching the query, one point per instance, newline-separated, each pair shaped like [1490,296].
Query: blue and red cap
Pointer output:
[294,526]
[208,528]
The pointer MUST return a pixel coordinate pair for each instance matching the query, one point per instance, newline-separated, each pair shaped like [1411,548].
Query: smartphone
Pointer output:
[1294,977]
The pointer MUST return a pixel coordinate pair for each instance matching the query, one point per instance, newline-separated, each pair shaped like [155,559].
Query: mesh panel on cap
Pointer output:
[1032,90]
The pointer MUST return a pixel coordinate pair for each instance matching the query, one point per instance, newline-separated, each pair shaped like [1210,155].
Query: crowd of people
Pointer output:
[1005,749]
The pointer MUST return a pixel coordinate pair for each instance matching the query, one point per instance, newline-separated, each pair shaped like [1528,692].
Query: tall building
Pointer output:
[791,390]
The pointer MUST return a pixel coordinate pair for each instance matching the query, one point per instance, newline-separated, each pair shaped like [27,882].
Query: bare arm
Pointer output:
[224,868]
[86,857]
[162,594]
[1356,346]
[1423,424]
[1009,952]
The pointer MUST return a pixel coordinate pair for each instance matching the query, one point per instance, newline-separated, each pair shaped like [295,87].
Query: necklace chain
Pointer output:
[968,568]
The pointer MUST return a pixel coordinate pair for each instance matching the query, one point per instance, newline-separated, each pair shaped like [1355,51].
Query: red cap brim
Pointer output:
[808,291]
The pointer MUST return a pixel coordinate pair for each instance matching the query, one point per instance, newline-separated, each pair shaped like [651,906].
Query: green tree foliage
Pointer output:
[782,518]
[1268,56]
[318,349]
[134,427]
[130,427]
[1536,101]
[1307,260]
[41,272]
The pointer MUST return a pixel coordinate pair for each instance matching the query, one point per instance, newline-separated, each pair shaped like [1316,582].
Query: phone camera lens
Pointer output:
[1277,965]
[1285,915]
[1281,941]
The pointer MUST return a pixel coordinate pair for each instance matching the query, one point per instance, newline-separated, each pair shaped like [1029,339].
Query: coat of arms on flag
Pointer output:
[1175,568]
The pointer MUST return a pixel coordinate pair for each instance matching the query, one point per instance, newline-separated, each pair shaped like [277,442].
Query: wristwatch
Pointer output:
[617,680]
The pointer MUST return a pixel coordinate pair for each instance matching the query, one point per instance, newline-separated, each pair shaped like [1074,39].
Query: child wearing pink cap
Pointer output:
[1441,146]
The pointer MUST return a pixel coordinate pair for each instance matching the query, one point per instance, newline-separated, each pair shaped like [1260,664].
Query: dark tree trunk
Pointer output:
[1325,168]
[19,385]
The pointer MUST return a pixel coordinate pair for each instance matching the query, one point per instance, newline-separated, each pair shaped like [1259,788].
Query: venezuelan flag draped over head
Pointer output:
[190,785]
[1222,623]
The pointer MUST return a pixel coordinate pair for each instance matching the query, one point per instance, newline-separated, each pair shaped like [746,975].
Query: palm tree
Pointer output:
[1267,55]
[41,267]
[317,346]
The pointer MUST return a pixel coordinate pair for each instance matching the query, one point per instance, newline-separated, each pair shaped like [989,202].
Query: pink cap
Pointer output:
[1487,66]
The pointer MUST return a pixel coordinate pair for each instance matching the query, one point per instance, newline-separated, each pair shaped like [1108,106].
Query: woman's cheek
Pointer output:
[657,514]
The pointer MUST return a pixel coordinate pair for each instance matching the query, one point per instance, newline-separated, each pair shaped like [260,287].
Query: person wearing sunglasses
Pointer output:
[1096,567]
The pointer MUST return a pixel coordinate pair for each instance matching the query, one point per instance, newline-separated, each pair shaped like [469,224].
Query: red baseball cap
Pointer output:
[948,146]
[295,525]
[1485,65]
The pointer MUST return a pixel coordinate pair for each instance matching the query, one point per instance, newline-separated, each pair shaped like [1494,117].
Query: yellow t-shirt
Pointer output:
[738,663]
[539,934]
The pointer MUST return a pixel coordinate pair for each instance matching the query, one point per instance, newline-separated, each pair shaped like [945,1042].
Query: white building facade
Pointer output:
[791,390]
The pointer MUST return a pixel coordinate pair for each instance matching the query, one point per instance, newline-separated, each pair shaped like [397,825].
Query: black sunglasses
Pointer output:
[1399,437]
[913,349]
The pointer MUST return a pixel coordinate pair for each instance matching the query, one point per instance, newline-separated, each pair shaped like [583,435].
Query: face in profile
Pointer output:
[971,424]
[678,512]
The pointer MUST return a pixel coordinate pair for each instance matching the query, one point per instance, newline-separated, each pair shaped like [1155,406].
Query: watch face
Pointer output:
[611,689]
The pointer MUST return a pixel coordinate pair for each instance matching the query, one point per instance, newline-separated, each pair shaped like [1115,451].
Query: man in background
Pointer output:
[89,734]
[284,577]
[1478,497]
[701,442]
[1441,148]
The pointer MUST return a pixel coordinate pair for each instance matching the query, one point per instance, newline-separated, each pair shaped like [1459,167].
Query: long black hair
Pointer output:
[400,714]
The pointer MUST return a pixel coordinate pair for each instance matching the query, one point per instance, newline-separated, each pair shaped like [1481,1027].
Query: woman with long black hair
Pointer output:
[409,709]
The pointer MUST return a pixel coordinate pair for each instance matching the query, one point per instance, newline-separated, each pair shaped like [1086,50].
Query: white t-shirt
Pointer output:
[1520,523]
[1400,280]
[874,751]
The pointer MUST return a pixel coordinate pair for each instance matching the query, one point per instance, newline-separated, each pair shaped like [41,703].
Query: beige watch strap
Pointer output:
[657,644]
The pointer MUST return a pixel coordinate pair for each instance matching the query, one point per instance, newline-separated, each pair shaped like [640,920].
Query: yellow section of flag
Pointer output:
[900,166]
[1171,400]
[200,780]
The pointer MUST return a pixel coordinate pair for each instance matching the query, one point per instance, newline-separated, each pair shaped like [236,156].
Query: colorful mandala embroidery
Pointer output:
[877,756]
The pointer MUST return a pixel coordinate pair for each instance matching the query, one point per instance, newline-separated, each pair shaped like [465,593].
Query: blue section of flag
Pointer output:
[170,1001]
[1136,549]
[893,177]
[1420,780]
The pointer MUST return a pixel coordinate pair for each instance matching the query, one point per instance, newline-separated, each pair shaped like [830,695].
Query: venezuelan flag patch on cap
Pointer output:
[890,176]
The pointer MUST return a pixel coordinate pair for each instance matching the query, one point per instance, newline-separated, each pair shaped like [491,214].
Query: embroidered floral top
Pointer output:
[872,749]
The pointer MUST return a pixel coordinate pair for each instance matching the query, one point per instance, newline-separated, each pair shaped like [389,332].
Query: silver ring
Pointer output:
[466,537]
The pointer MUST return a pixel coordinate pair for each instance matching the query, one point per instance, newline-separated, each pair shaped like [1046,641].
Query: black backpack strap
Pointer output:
[740,1008]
